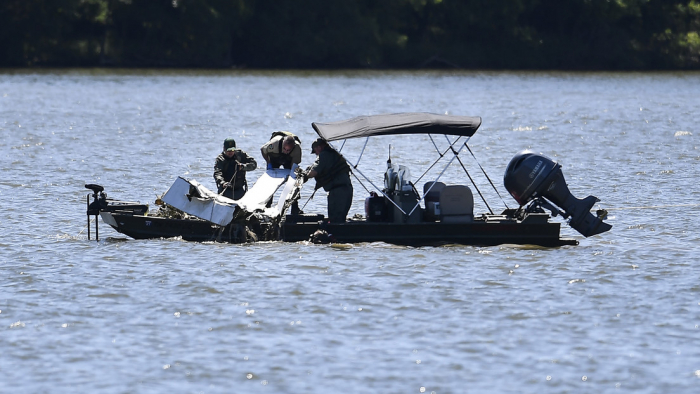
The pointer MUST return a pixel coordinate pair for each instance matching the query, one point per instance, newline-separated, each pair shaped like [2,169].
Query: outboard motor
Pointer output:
[532,176]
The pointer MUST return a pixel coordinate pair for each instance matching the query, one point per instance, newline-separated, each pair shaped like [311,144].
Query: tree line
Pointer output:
[323,34]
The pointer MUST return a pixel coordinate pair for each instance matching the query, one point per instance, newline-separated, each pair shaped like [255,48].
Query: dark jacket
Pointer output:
[225,170]
[332,170]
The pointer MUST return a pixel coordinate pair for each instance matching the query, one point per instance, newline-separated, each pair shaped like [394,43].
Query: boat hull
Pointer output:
[481,232]
[477,232]
[150,227]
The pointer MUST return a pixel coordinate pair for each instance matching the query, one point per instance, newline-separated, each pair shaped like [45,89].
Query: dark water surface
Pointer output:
[618,313]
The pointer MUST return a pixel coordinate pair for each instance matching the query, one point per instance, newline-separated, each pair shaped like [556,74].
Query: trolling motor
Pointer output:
[100,203]
[535,177]
[99,200]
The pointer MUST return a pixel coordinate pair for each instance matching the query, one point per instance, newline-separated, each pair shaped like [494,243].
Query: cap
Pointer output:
[229,144]
[318,142]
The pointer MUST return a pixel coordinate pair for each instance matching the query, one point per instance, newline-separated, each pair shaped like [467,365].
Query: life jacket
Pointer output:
[283,134]
[339,166]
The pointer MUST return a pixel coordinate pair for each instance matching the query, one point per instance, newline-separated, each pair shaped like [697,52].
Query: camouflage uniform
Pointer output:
[226,170]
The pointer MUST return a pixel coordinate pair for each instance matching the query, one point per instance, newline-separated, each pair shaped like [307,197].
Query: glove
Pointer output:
[269,166]
[305,176]
[226,185]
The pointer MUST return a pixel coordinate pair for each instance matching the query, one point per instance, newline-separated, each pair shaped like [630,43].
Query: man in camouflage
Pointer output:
[230,169]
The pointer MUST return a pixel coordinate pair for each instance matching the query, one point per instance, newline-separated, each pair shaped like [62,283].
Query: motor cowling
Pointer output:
[531,176]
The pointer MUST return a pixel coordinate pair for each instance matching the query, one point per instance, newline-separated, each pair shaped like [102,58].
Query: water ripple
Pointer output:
[616,312]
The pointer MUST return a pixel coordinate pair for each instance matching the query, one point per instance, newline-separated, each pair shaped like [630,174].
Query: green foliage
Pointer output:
[492,34]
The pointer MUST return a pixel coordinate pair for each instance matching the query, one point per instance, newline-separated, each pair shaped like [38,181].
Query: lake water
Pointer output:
[618,313]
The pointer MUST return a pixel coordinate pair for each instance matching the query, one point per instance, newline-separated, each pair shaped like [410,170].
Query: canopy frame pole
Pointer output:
[487,176]
[360,181]
[433,165]
[450,147]
[361,152]
[435,145]
[472,181]
[455,154]
[455,141]
[431,186]
[380,190]
[341,146]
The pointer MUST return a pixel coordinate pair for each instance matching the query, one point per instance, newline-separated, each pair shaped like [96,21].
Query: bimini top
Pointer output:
[403,123]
